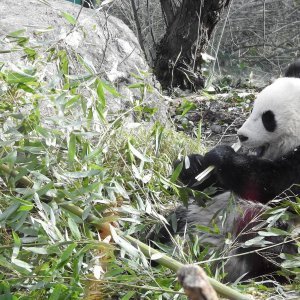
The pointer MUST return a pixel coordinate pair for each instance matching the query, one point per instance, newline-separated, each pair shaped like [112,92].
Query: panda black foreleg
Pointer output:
[254,178]
[193,165]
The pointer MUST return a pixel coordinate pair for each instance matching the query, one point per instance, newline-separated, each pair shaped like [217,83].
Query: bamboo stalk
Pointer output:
[23,181]
[163,259]
[172,264]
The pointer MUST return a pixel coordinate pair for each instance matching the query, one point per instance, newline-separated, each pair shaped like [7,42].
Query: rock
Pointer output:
[194,116]
[216,128]
[106,45]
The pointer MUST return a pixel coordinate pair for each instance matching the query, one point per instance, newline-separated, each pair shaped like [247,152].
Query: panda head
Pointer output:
[273,128]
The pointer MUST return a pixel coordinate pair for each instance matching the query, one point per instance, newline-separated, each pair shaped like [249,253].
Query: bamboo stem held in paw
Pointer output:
[206,173]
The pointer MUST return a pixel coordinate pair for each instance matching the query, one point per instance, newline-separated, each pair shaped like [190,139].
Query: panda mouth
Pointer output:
[258,151]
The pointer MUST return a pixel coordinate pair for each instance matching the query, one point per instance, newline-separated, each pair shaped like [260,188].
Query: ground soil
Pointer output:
[219,115]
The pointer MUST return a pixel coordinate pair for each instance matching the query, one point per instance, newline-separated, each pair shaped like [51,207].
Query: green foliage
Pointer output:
[58,132]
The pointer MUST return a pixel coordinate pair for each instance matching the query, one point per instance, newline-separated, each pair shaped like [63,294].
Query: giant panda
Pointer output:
[246,185]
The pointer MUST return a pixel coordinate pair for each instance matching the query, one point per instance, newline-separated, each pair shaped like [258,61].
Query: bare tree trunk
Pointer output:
[138,26]
[178,59]
[167,8]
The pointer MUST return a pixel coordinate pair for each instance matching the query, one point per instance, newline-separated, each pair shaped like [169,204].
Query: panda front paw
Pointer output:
[219,156]
[192,165]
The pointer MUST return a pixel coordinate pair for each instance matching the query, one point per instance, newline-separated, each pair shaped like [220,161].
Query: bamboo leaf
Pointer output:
[176,172]
[58,292]
[72,147]
[83,174]
[128,295]
[17,245]
[156,256]
[66,255]
[272,231]
[8,212]
[74,229]
[137,85]
[123,243]
[100,93]
[138,154]
[110,89]
[88,65]
[22,264]
[17,33]
[37,250]
[69,18]
[19,77]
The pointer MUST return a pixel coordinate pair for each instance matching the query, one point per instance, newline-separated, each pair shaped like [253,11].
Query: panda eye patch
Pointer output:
[268,119]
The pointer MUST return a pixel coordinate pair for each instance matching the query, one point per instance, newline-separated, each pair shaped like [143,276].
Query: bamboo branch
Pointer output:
[163,259]
[174,265]
[23,181]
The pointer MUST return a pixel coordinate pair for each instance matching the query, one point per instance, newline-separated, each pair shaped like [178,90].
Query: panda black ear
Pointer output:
[268,119]
[293,70]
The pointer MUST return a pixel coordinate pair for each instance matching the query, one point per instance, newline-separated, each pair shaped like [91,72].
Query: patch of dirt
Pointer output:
[219,116]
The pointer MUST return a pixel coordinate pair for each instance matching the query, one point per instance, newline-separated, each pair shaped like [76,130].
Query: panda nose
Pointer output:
[243,138]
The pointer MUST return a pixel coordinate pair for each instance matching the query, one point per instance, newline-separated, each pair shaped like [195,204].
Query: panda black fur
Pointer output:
[293,69]
[248,182]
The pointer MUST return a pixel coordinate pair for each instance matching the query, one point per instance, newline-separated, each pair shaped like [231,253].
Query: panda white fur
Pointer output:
[249,183]
[275,120]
